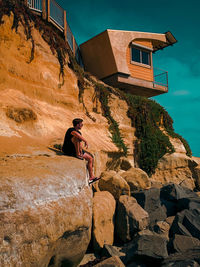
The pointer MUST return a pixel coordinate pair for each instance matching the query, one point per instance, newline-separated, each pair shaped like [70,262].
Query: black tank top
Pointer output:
[68,147]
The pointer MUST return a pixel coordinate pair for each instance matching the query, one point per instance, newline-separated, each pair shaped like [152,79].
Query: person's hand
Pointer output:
[86,144]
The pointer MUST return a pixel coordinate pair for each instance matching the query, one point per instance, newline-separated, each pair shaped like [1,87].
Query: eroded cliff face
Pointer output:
[36,110]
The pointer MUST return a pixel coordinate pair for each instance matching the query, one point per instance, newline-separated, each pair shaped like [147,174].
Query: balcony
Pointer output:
[141,87]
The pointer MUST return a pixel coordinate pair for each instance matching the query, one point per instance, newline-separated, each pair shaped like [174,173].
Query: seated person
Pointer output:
[72,147]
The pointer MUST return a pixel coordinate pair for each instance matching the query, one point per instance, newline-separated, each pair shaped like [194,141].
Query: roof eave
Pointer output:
[170,40]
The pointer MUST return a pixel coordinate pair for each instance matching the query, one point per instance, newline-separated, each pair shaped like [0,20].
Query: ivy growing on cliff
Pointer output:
[103,94]
[153,125]
[152,143]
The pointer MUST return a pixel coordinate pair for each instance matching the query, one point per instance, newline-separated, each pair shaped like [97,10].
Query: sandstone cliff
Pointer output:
[35,110]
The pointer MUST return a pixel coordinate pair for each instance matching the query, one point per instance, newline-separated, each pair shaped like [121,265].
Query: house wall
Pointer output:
[98,57]
[136,71]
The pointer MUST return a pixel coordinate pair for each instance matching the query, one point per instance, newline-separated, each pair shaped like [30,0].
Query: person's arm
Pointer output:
[80,137]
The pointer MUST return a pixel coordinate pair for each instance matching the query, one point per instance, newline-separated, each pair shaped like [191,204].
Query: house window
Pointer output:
[141,55]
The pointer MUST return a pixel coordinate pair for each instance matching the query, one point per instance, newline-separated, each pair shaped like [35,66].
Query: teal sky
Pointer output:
[87,18]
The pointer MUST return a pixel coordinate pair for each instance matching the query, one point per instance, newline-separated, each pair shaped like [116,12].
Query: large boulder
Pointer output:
[130,218]
[136,179]
[176,198]
[112,182]
[103,219]
[181,243]
[174,192]
[176,168]
[149,200]
[186,222]
[147,249]
[46,208]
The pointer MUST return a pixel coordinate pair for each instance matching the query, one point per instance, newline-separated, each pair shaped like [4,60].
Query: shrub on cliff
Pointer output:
[151,121]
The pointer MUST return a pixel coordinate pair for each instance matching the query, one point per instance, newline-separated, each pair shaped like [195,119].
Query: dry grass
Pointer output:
[21,115]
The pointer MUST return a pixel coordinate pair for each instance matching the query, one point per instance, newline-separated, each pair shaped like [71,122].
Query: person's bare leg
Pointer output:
[90,164]
[81,149]
[77,145]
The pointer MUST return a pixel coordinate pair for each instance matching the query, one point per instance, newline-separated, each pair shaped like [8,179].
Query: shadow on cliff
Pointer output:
[57,151]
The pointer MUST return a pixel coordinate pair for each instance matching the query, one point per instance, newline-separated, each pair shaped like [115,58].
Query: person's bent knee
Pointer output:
[91,160]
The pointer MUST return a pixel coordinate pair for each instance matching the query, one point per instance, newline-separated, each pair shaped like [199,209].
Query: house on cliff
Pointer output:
[124,59]
[121,59]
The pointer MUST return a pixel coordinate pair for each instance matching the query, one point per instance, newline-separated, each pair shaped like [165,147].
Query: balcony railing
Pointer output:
[160,77]
[70,38]
[35,5]
[55,14]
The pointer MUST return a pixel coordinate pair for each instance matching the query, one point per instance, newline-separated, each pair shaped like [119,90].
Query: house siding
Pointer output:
[140,72]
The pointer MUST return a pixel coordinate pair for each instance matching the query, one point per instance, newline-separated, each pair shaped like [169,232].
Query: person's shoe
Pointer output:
[94,180]
[80,157]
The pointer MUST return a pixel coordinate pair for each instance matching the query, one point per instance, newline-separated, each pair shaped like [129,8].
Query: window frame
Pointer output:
[144,49]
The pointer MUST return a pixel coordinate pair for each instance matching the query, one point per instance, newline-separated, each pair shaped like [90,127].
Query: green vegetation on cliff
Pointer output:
[152,122]
[103,94]
[153,126]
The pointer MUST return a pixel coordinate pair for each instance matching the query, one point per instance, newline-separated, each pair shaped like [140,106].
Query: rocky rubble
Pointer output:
[155,227]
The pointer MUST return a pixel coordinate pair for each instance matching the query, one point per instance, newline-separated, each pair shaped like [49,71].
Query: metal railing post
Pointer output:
[48,10]
[161,77]
[65,25]
[44,10]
